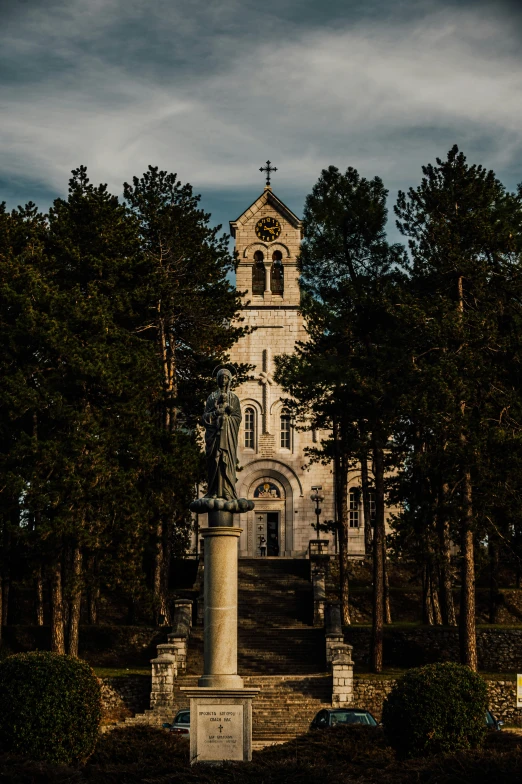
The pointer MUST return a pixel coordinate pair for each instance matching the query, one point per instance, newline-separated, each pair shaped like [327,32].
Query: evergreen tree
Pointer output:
[350,276]
[187,308]
[464,234]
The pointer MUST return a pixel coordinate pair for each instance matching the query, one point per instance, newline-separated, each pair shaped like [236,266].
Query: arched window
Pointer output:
[277,273]
[286,432]
[250,428]
[258,274]
[353,503]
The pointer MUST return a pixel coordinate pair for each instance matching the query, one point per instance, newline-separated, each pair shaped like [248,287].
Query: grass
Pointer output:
[120,672]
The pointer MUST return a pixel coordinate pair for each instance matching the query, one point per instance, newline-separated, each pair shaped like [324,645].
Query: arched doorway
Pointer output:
[269,517]
[288,491]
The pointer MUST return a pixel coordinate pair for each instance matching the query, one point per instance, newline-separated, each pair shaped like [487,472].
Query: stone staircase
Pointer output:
[278,652]
[284,707]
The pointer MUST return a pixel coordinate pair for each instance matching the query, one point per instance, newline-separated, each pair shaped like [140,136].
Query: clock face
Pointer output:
[268,229]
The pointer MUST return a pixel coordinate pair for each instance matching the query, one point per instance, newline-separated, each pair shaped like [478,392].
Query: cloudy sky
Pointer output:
[212,88]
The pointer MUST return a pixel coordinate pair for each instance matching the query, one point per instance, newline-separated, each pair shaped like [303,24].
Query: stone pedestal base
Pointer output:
[220,724]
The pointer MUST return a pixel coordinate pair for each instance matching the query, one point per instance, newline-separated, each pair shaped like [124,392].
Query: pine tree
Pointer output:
[187,309]
[351,274]
[463,230]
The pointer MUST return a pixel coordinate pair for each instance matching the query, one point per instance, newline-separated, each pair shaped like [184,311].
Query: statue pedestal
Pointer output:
[220,724]
[220,708]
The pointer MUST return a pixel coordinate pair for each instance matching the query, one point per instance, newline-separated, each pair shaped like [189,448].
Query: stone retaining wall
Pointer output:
[499,650]
[124,697]
[370,694]
[101,646]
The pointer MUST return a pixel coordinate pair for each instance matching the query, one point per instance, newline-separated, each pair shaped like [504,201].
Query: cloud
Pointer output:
[212,90]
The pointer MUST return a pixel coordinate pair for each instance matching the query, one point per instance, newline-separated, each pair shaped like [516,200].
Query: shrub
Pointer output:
[435,709]
[50,707]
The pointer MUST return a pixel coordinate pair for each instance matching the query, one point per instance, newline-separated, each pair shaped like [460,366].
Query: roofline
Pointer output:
[276,202]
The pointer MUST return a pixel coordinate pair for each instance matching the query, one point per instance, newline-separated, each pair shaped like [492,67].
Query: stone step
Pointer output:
[279,652]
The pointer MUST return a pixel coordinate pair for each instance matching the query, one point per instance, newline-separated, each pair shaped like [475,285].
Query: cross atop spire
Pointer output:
[268,169]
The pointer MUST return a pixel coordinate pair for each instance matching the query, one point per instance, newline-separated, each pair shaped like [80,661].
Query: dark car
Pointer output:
[331,717]
[181,723]
[492,722]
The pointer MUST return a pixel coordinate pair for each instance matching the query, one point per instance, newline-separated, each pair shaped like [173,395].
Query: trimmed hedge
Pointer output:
[436,709]
[50,707]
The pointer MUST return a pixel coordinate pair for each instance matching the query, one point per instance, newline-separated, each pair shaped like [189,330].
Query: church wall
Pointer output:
[278,325]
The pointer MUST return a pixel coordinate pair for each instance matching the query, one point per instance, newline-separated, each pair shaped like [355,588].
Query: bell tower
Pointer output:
[271,450]
[267,236]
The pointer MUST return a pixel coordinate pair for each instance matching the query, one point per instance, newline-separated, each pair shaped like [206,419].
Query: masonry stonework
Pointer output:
[274,472]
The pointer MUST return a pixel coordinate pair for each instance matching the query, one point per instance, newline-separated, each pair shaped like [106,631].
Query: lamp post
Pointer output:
[317,498]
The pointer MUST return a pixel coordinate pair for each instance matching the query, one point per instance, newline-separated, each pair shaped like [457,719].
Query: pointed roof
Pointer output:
[267,197]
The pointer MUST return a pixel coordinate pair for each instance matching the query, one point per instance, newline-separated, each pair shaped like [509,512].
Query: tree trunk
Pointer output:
[57,630]
[6,575]
[427,609]
[378,560]
[467,628]
[93,592]
[75,606]
[39,590]
[449,617]
[365,486]
[494,594]
[434,598]
[386,585]
[159,580]
[341,503]
[6,585]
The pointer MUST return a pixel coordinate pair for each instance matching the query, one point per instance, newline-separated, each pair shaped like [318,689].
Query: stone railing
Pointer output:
[333,630]
[342,676]
[318,577]
[338,658]
[179,636]
[164,673]
[172,656]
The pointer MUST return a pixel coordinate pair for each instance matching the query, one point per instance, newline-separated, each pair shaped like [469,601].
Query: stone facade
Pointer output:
[369,694]
[274,468]
[271,450]
[275,474]
[499,650]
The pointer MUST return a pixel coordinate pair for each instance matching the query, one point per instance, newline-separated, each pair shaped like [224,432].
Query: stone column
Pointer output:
[220,624]
[164,672]
[342,672]
[268,266]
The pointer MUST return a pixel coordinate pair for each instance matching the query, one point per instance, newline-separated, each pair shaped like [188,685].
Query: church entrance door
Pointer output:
[267,528]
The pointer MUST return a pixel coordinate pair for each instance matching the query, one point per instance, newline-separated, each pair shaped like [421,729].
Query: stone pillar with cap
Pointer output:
[220,707]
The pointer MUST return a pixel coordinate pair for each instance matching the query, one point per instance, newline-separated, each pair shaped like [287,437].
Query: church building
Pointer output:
[274,469]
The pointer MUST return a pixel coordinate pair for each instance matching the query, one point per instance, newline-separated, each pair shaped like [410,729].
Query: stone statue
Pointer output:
[222,419]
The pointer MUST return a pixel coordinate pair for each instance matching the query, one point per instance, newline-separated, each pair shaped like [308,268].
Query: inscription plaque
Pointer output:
[220,732]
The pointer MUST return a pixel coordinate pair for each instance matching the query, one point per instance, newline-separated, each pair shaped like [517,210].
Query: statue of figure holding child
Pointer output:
[221,418]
